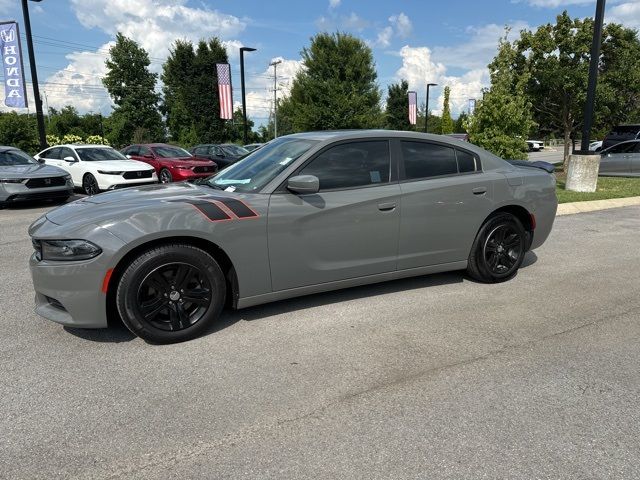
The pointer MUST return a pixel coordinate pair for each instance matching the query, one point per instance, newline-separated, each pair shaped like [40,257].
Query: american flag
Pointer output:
[413,107]
[224,90]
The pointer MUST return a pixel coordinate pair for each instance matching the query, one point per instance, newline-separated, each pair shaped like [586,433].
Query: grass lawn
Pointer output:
[608,187]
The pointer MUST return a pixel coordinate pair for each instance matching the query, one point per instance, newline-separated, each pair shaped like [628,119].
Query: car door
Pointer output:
[634,160]
[445,198]
[52,157]
[348,229]
[617,160]
[71,164]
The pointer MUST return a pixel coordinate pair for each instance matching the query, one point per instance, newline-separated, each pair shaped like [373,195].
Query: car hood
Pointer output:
[110,206]
[33,170]
[120,165]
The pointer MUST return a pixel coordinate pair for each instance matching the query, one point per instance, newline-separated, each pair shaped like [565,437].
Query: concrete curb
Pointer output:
[594,205]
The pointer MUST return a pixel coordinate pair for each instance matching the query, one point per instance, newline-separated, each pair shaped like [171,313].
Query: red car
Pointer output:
[172,164]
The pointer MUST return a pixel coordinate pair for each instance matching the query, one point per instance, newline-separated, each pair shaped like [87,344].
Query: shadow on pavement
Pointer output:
[113,334]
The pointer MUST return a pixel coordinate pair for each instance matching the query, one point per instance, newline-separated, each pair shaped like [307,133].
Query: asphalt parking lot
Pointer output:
[433,377]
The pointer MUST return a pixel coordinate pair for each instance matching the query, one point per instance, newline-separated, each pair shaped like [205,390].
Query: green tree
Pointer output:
[337,87]
[19,130]
[190,96]
[460,125]
[132,89]
[446,125]
[557,57]
[502,120]
[397,113]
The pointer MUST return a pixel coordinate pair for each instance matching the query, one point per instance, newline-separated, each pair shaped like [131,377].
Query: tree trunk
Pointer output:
[567,151]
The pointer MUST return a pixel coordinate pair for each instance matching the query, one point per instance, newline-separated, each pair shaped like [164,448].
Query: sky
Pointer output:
[448,43]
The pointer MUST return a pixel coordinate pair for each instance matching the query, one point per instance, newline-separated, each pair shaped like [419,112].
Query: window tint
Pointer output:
[66,152]
[144,151]
[352,165]
[53,153]
[133,150]
[423,160]
[466,162]
[200,150]
[622,148]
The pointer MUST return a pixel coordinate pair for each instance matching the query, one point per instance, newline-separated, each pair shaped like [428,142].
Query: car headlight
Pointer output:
[108,172]
[11,180]
[65,250]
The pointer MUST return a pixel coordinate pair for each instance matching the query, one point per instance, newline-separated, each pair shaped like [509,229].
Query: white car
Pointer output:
[98,167]
[595,146]
[535,145]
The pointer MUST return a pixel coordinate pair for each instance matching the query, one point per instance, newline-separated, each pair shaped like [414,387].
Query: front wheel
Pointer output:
[165,176]
[498,250]
[90,185]
[171,293]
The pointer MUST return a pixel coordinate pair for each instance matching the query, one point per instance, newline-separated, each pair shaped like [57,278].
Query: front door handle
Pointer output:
[479,190]
[385,207]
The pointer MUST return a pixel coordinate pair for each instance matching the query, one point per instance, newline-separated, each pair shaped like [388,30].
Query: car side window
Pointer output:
[466,162]
[200,150]
[217,151]
[132,150]
[622,148]
[349,165]
[67,152]
[424,160]
[144,151]
[52,153]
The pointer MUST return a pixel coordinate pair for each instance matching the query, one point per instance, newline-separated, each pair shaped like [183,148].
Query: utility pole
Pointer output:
[34,74]
[46,102]
[275,97]
[426,108]
[244,100]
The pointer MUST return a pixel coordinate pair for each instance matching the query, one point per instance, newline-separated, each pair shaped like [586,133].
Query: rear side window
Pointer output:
[350,165]
[423,160]
[623,148]
[466,162]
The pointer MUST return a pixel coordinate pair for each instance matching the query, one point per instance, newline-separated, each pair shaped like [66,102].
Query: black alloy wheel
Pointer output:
[174,296]
[165,176]
[498,249]
[171,293]
[502,249]
[90,185]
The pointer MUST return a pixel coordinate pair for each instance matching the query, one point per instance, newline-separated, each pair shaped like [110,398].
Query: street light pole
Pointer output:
[244,100]
[275,97]
[426,107]
[593,77]
[34,74]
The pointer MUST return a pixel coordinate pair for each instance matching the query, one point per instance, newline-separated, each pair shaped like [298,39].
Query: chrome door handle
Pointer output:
[385,207]
[479,190]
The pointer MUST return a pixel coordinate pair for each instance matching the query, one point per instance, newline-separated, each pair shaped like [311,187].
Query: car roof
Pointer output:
[88,145]
[6,148]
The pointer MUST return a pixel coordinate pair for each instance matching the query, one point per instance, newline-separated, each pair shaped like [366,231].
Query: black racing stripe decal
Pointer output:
[239,209]
[210,210]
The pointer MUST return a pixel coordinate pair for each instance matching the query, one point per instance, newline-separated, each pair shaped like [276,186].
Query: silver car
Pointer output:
[306,213]
[621,160]
[22,178]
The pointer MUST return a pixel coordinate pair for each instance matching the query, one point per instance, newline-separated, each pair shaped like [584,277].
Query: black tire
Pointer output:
[181,288]
[90,185]
[165,176]
[498,249]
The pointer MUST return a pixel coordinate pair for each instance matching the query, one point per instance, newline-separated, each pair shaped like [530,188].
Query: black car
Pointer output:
[223,154]
[621,133]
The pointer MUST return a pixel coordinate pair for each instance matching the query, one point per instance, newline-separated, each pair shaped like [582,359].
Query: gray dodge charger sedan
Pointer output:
[306,213]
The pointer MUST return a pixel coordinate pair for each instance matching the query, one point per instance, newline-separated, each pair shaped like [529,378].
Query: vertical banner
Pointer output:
[15,94]
[413,107]
[224,90]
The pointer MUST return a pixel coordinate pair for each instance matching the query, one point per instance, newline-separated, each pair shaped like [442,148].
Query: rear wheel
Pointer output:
[165,176]
[171,293]
[90,185]
[498,250]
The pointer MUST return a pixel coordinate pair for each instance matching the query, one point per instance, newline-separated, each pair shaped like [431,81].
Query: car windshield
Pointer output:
[10,158]
[234,150]
[171,152]
[99,154]
[261,166]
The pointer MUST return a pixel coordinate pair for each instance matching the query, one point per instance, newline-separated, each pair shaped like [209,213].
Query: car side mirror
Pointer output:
[69,159]
[304,184]
[128,156]
[40,160]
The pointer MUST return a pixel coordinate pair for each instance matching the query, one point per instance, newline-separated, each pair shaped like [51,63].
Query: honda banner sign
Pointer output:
[15,94]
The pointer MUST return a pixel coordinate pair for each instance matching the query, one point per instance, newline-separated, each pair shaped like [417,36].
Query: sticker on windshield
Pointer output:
[286,161]
[229,181]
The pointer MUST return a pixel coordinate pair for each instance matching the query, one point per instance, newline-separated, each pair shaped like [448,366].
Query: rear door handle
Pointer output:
[479,190]
[385,207]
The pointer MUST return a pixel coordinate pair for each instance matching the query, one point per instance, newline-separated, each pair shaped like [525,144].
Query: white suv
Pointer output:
[98,167]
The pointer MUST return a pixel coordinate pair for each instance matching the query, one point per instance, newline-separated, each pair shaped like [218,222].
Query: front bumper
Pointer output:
[71,293]
[111,182]
[18,192]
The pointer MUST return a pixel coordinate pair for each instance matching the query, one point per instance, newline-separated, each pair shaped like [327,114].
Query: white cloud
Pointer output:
[384,37]
[557,3]
[402,24]
[419,68]
[334,3]
[627,13]
[343,22]
[479,48]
